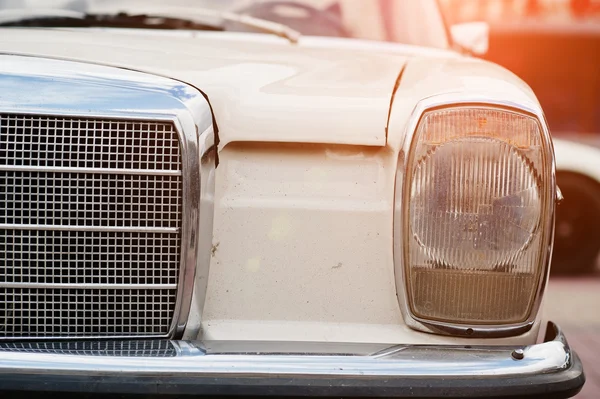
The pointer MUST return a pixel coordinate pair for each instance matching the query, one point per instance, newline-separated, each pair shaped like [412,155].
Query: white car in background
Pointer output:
[286,198]
[577,236]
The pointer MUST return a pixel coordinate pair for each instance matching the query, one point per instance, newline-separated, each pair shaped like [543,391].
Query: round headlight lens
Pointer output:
[475,203]
[475,197]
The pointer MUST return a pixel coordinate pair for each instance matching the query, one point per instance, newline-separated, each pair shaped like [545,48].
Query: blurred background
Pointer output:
[508,10]
[554,45]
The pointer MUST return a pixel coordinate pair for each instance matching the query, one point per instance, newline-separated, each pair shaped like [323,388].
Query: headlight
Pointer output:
[476,202]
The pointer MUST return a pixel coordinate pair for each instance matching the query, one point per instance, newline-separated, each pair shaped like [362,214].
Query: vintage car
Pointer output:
[558,59]
[282,198]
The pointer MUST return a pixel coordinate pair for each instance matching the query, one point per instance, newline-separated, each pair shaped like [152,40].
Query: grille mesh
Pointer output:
[85,312]
[141,348]
[87,206]
[88,143]
[93,257]
[78,199]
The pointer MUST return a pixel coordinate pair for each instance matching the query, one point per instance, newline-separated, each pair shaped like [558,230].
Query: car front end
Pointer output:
[213,213]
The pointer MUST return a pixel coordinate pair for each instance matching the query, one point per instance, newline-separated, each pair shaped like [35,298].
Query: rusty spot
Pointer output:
[214,249]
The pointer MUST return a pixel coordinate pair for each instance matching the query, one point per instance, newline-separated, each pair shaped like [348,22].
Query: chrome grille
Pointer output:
[88,257]
[90,225]
[88,143]
[79,199]
[141,348]
[57,312]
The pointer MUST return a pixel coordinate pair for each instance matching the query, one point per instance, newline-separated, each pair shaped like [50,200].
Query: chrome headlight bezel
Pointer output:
[456,100]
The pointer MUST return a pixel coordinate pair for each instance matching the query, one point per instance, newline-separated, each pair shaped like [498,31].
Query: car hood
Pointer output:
[260,87]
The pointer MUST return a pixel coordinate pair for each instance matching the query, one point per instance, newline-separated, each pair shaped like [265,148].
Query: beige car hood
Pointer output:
[261,87]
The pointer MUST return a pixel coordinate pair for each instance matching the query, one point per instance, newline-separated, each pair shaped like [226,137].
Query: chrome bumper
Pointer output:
[293,369]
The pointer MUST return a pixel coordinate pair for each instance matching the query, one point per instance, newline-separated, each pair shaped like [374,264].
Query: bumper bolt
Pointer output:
[518,354]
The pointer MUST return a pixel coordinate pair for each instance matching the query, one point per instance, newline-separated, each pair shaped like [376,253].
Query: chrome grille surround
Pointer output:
[100,201]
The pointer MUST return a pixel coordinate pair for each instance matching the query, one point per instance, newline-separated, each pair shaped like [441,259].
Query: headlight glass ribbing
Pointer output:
[475,200]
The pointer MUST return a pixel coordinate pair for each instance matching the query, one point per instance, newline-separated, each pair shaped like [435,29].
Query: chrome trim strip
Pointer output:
[46,86]
[198,282]
[144,172]
[59,227]
[91,286]
[197,223]
[468,330]
[264,360]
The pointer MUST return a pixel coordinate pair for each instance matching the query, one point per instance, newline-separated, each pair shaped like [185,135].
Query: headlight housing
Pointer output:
[474,218]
